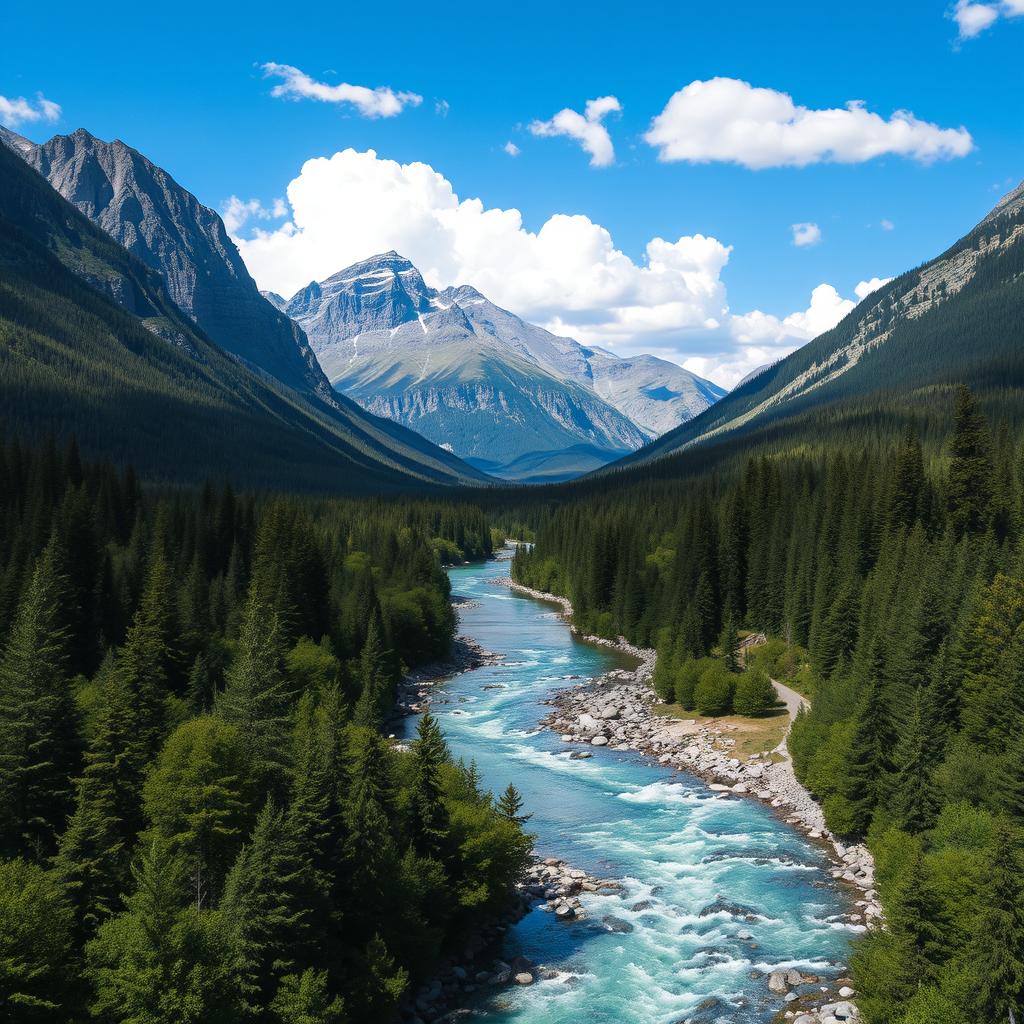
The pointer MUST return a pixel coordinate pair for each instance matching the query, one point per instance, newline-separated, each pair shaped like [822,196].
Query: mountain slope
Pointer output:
[91,343]
[957,318]
[463,371]
[141,206]
[144,209]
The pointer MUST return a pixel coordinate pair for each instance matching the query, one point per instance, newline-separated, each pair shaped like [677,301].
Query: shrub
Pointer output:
[754,693]
[687,677]
[713,694]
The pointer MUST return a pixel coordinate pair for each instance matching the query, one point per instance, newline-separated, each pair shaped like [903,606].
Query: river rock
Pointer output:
[616,924]
[524,978]
[599,741]
[777,982]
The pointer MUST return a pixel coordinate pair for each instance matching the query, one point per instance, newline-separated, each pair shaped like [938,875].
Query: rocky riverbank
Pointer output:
[550,883]
[416,690]
[616,711]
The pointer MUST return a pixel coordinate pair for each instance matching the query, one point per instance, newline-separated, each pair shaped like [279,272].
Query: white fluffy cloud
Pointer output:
[511,148]
[865,288]
[806,234]
[567,276]
[973,18]
[585,128]
[297,85]
[728,120]
[18,110]
[238,212]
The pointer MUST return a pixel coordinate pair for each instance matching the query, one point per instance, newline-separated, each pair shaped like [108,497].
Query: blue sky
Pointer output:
[185,86]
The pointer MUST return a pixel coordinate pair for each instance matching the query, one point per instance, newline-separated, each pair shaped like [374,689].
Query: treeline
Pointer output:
[199,818]
[900,570]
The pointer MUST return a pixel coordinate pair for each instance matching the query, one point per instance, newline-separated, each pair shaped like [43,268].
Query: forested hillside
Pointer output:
[199,818]
[892,561]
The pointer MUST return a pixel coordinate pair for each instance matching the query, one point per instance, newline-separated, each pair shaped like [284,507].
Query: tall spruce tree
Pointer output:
[39,747]
[430,816]
[257,697]
[970,485]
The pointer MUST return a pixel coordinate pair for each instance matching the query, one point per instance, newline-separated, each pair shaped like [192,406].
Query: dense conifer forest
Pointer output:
[199,817]
[886,565]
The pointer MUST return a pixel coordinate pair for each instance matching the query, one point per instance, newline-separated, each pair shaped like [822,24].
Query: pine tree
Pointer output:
[263,909]
[914,803]
[306,999]
[430,816]
[907,503]
[94,852]
[383,982]
[374,702]
[39,747]
[510,803]
[970,486]
[160,961]
[196,799]
[868,769]
[38,959]
[729,644]
[371,860]
[997,952]
[256,698]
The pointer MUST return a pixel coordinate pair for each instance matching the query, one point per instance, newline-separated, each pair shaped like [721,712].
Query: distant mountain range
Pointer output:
[959,318]
[505,395]
[232,388]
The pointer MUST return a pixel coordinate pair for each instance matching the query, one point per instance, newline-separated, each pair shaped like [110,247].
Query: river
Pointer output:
[702,867]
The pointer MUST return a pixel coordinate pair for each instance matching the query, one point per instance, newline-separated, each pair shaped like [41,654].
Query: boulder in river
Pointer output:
[616,924]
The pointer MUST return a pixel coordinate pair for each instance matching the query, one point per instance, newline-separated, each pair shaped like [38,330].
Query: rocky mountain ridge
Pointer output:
[465,372]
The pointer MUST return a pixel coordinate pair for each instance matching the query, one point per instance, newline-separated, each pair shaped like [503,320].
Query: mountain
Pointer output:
[91,343]
[756,372]
[958,318]
[655,394]
[505,394]
[144,209]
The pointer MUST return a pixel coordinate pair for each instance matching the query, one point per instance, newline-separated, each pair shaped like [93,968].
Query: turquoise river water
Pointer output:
[709,866]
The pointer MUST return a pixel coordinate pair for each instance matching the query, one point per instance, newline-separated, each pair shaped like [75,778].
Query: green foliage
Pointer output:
[37,952]
[713,694]
[306,999]
[197,800]
[754,694]
[38,741]
[160,961]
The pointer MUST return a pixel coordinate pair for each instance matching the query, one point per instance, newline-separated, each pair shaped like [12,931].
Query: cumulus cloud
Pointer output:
[17,110]
[585,128]
[441,108]
[886,224]
[567,276]
[806,234]
[511,148]
[865,288]
[731,121]
[236,212]
[973,18]
[761,338]
[297,85]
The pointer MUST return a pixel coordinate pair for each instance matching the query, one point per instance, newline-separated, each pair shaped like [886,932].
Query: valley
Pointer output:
[495,529]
